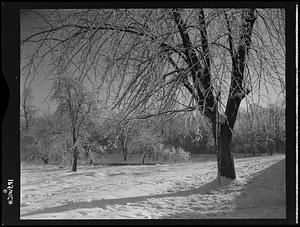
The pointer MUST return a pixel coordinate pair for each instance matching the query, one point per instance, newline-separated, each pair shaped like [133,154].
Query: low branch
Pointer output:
[165,112]
[43,32]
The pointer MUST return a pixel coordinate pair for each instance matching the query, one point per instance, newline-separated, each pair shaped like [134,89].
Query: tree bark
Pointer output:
[124,150]
[123,140]
[75,153]
[227,168]
[144,156]
[75,156]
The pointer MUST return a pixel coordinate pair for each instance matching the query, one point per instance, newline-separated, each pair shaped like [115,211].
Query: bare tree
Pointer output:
[121,131]
[273,126]
[124,141]
[163,61]
[148,140]
[27,109]
[77,103]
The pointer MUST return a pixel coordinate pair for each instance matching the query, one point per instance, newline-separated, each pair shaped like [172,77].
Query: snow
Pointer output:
[185,190]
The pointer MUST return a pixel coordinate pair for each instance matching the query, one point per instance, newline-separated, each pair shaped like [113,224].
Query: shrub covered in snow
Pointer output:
[175,154]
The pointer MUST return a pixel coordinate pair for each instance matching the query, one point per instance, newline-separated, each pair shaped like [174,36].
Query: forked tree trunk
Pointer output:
[237,90]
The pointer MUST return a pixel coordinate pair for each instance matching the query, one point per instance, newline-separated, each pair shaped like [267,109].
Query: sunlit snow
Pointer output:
[185,190]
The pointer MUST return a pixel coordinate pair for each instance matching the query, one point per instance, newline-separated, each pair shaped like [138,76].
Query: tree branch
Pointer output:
[236,91]
[165,112]
[229,36]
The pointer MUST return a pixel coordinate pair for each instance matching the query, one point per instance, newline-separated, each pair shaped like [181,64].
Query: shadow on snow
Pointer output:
[263,197]
[257,195]
[102,203]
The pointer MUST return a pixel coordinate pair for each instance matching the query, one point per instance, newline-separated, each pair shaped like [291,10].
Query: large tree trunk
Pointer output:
[75,156]
[223,141]
[226,163]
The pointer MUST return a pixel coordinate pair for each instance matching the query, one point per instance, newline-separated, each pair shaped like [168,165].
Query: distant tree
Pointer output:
[121,131]
[124,141]
[274,127]
[260,129]
[27,109]
[145,138]
[28,148]
[279,128]
[76,103]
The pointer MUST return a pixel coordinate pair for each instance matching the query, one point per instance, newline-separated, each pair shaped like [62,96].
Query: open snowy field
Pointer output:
[185,190]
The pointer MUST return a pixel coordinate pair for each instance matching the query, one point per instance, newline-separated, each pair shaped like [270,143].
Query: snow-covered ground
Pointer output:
[186,190]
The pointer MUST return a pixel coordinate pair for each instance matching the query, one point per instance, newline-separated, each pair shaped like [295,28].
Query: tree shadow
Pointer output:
[263,197]
[102,203]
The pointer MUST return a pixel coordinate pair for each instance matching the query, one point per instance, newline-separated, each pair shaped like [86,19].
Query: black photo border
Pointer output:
[11,122]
